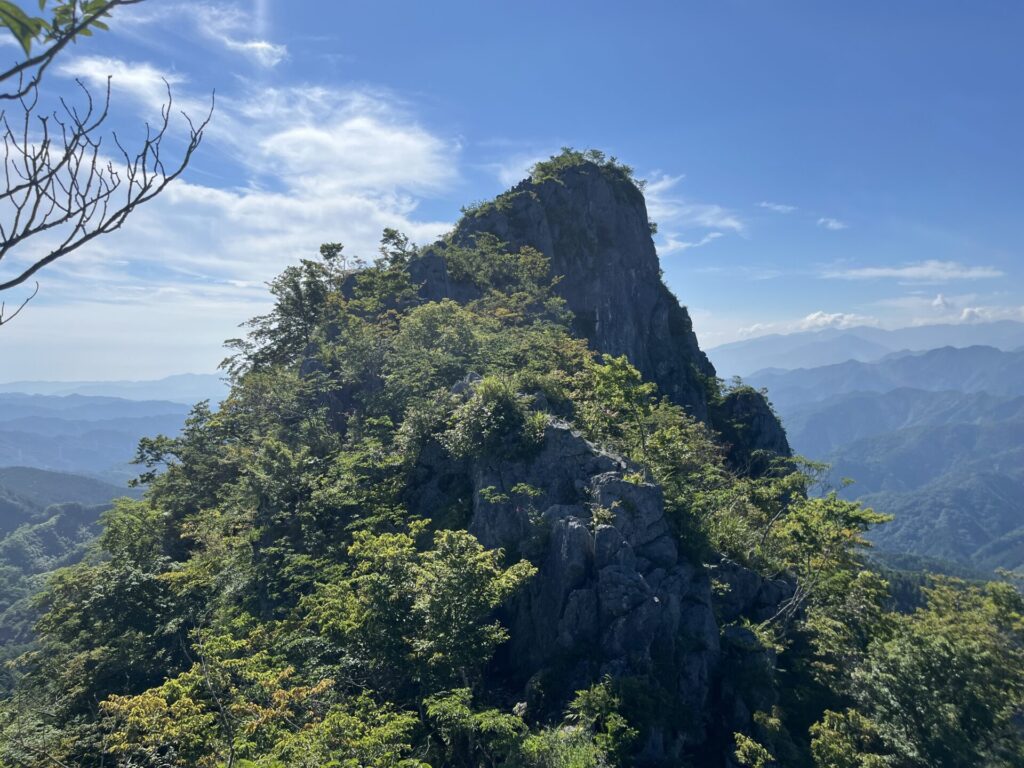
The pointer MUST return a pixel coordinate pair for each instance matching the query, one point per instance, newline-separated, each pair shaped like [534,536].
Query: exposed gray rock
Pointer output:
[746,683]
[592,224]
[613,594]
[466,384]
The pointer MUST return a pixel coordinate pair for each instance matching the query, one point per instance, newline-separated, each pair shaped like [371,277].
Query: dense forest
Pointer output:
[438,521]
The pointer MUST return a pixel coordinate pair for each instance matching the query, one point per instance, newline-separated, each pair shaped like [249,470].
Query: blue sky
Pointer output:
[809,163]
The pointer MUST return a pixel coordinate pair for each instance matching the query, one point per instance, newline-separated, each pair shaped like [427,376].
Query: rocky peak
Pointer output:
[591,221]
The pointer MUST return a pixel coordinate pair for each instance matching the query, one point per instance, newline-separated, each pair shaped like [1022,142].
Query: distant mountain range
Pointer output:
[85,435]
[188,388]
[935,438]
[811,349]
[966,369]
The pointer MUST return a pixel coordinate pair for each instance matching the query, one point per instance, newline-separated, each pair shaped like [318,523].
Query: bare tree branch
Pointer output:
[59,181]
[5,318]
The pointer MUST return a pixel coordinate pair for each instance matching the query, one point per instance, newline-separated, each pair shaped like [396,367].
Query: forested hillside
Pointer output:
[485,503]
[48,520]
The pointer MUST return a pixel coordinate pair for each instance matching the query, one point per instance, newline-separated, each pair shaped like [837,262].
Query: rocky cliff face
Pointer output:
[613,595]
[591,222]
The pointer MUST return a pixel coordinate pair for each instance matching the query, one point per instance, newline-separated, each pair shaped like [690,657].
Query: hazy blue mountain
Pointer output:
[794,350]
[15,406]
[906,459]
[818,428]
[81,434]
[185,388]
[966,369]
[934,438]
[811,349]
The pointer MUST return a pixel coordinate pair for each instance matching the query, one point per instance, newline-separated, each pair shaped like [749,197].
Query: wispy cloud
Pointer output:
[826,222]
[514,169]
[672,244]
[930,271]
[820,319]
[776,207]
[990,314]
[742,271]
[237,31]
[140,81]
[666,207]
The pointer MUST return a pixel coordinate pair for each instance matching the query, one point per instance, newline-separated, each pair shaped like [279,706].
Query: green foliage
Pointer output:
[595,734]
[571,158]
[564,747]
[598,710]
[458,586]
[64,20]
[494,421]
[469,736]
[751,754]
[279,597]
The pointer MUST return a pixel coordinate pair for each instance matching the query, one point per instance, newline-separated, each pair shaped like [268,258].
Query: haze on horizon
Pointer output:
[878,184]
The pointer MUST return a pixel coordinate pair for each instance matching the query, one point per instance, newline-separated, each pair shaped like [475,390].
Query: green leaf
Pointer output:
[22,26]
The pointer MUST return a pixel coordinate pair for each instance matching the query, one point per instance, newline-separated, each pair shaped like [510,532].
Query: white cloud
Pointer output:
[230,26]
[818,320]
[235,29]
[833,224]
[930,271]
[972,315]
[776,207]
[667,209]
[941,303]
[815,321]
[516,168]
[672,244]
[140,81]
[301,136]
[744,271]
[757,329]
[988,314]
[317,165]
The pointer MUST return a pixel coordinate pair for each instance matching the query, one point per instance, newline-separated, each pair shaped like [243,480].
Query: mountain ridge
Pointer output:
[813,349]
